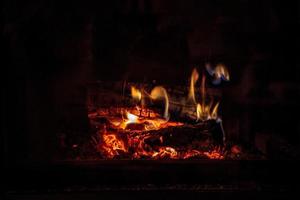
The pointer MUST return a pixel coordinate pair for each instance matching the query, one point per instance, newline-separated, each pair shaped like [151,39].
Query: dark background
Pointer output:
[51,49]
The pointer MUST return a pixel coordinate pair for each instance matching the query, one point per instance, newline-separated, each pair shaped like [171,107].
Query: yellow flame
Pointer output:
[148,123]
[136,94]
[214,113]
[130,118]
[205,112]
[203,91]
[199,111]
[194,78]
[222,72]
[160,93]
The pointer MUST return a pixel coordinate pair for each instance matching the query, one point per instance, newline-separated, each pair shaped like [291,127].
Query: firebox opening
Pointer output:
[150,88]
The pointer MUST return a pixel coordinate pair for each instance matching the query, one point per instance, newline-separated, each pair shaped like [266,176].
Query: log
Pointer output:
[208,131]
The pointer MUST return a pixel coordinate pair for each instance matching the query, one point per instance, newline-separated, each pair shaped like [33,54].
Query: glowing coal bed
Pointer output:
[144,137]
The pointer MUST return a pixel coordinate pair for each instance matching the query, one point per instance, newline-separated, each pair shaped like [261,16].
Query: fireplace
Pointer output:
[125,98]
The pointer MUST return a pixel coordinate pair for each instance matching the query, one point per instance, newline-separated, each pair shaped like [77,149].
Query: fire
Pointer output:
[136,94]
[132,118]
[203,111]
[214,113]
[203,93]
[206,112]
[161,93]
[155,124]
[157,93]
[194,78]
[216,153]
[220,72]
[147,124]
[139,131]
[148,119]
[166,152]
[112,145]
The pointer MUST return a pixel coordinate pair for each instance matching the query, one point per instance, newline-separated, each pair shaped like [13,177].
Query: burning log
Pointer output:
[154,137]
[206,132]
[139,128]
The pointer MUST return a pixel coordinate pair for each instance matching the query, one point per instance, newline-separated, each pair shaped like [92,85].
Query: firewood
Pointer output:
[185,135]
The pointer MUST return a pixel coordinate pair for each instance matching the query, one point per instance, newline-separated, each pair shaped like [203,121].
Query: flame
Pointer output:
[160,93]
[214,113]
[220,72]
[136,94]
[132,118]
[148,123]
[199,111]
[203,111]
[194,78]
[203,89]
[206,113]
[130,134]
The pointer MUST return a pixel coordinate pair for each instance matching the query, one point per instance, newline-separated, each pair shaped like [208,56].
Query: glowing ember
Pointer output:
[112,145]
[214,155]
[142,123]
[166,152]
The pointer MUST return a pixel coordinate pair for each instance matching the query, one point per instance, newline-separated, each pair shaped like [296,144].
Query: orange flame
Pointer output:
[136,94]
[220,72]
[148,123]
[206,113]
[203,111]
[130,118]
[160,93]
[136,138]
[203,90]
[194,78]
